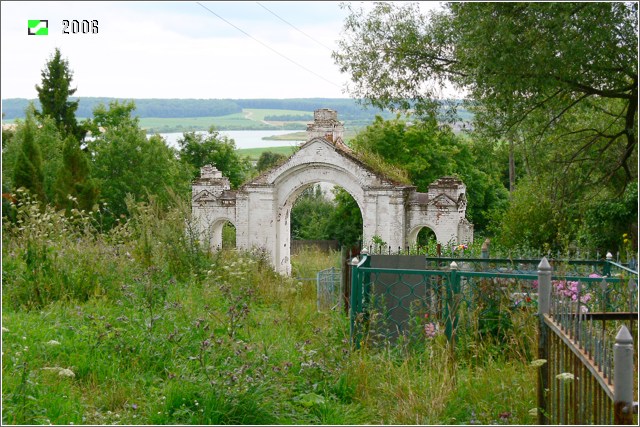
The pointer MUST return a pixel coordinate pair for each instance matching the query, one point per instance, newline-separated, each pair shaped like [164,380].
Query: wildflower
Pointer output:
[505,416]
[53,342]
[538,362]
[533,412]
[565,377]
[63,372]
[430,330]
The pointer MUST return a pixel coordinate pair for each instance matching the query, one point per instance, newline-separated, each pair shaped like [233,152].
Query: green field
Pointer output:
[236,121]
[260,114]
[249,119]
[254,153]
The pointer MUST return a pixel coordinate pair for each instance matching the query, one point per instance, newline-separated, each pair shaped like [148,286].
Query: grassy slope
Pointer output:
[138,326]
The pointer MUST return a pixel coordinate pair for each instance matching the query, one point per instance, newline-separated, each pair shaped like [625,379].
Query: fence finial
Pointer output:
[624,337]
[544,286]
[364,251]
[544,265]
[453,265]
[609,256]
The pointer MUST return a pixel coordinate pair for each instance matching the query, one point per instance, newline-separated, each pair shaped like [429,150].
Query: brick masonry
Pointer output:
[261,209]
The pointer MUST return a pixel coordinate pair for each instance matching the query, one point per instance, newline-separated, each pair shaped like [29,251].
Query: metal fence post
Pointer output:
[623,377]
[544,300]
[451,314]
[485,253]
[357,284]
[356,300]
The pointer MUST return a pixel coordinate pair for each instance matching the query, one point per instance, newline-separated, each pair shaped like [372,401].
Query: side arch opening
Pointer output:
[223,234]
[424,239]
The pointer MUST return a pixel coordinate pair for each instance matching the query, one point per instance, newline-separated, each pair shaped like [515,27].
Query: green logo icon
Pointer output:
[38,27]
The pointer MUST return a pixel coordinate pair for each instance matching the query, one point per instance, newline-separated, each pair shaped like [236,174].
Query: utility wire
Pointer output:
[293,26]
[269,47]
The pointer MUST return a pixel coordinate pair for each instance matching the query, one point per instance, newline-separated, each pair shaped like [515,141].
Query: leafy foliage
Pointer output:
[74,186]
[269,159]
[426,152]
[125,162]
[346,219]
[310,214]
[28,173]
[525,66]
[198,150]
[553,88]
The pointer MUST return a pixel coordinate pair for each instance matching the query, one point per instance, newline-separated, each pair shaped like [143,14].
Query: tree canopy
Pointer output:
[554,91]
[128,164]
[198,150]
[527,68]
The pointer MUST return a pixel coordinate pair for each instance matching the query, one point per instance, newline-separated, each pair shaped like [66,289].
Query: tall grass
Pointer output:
[142,325]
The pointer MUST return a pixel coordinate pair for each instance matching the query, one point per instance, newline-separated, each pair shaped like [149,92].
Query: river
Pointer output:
[242,138]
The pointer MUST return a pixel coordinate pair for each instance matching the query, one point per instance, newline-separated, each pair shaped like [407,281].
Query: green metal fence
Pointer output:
[587,324]
[471,295]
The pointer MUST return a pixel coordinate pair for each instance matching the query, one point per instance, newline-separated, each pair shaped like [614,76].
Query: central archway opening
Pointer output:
[325,223]
[324,218]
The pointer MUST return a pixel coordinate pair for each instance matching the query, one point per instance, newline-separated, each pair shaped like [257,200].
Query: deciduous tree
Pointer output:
[526,67]
[126,162]
[198,150]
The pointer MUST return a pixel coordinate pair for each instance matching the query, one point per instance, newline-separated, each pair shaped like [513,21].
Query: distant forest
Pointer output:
[348,109]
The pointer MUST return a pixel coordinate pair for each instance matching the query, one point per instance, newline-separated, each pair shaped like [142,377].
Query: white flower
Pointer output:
[66,373]
[5,329]
[538,362]
[565,376]
[533,412]
[53,342]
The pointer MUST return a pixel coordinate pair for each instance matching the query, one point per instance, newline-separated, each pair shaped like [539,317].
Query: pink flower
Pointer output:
[430,330]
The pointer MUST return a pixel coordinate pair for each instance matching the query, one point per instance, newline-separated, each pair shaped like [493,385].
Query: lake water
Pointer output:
[242,138]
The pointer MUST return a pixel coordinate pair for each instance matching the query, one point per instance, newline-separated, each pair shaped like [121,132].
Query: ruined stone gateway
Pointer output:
[260,210]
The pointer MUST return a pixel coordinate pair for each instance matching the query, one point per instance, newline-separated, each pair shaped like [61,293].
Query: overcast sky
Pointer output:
[179,49]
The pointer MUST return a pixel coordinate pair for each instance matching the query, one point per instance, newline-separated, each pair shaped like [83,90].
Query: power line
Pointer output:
[269,47]
[293,26]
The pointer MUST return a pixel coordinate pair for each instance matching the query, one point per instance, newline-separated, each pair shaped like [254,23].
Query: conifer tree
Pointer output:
[28,172]
[54,96]
[74,179]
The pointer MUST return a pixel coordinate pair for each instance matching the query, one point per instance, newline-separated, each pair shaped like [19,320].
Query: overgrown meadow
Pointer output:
[140,325]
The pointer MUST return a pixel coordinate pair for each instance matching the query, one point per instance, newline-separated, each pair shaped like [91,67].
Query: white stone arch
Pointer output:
[292,183]
[260,210]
